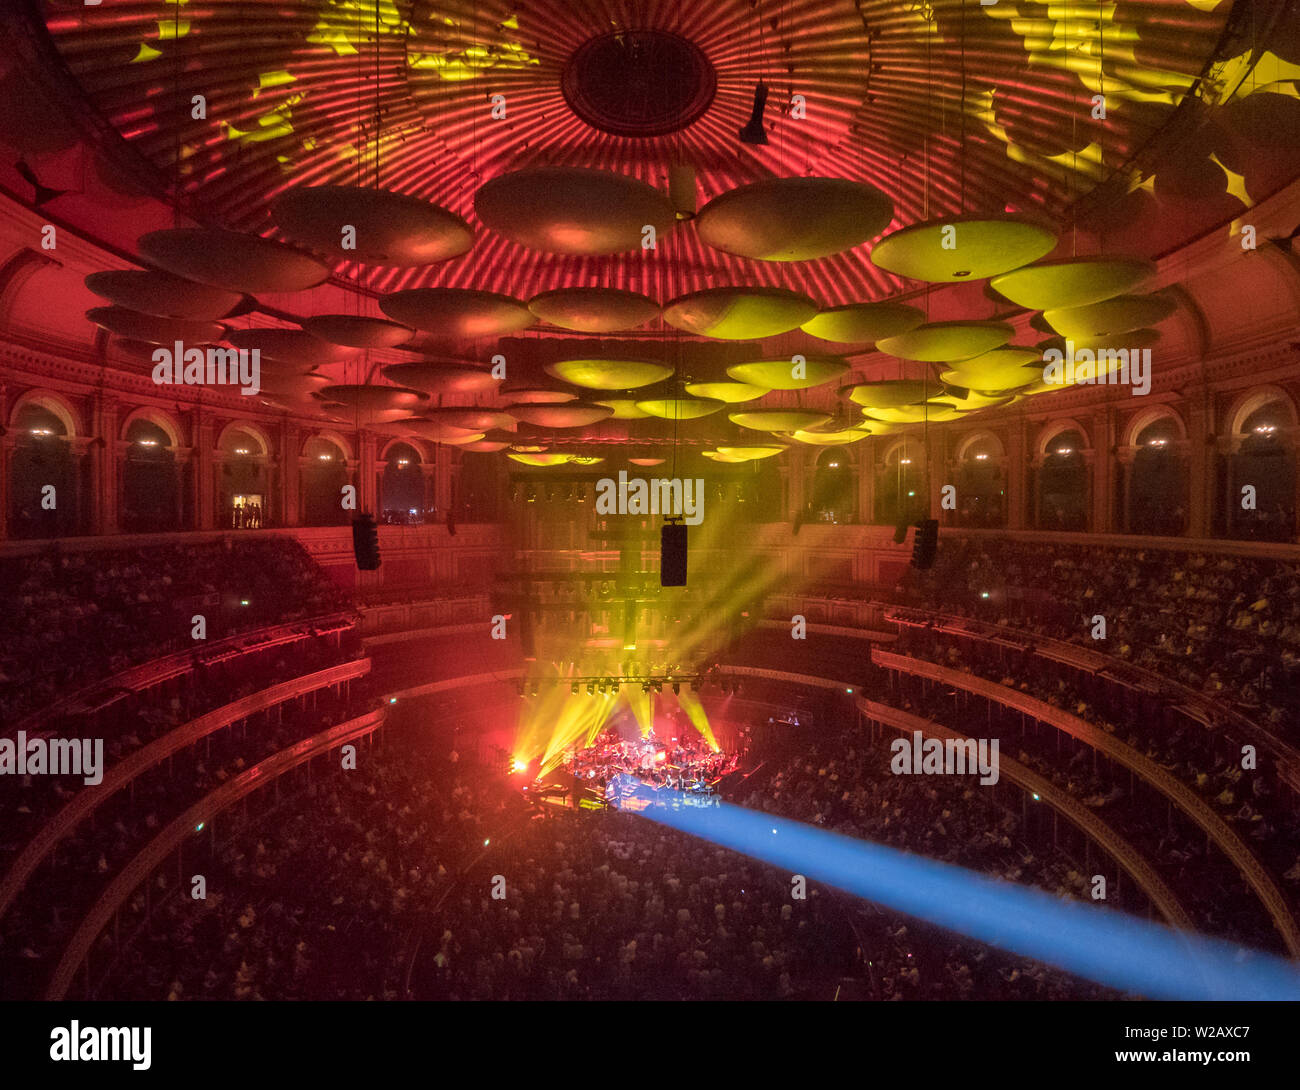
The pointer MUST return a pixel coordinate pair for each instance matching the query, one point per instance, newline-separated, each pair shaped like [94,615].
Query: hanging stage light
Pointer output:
[753,132]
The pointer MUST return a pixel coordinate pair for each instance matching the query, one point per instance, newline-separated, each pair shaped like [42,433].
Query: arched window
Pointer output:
[834,488]
[981,484]
[42,460]
[1063,484]
[324,475]
[401,491]
[150,489]
[243,499]
[1265,461]
[1158,483]
[900,484]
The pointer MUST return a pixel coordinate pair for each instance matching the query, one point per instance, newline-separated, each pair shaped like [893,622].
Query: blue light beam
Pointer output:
[1103,945]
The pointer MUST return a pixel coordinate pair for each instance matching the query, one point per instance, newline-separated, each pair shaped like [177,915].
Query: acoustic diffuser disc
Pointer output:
[943,342]
[733,393]
[291,346]
[963,248]
[234,261]
[538,395]
[790,373]
[573,210]
[683,408]
[435,377]
[1111,316]
[737,314]
[594,310]
[1001,369]
[387,228]
[861,323]
[148,327]
[787,420]
[573,414]
[888,394]
[794,219]
[606,374]
[470,417]
[355,332]
[1052,284]
[829,438]
[1132,338]
[540,459]
[625,408]
[163,295]
[752,453]
[374,397]
[457,312]
[436,431]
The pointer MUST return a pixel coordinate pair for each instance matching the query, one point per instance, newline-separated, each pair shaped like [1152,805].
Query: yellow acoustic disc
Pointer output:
[1069,283]
[944,342]
[963,247]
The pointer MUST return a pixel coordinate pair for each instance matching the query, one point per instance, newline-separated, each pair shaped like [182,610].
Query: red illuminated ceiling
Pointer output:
[946,107]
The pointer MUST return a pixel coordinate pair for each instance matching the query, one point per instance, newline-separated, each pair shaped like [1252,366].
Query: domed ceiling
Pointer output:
[519,148]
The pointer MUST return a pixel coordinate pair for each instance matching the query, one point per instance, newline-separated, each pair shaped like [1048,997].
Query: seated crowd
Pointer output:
[378,884]
[1226,626]
[77,617]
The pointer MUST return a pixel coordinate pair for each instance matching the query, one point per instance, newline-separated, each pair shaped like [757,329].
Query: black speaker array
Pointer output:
[926,544]
[365,542]
[672,554]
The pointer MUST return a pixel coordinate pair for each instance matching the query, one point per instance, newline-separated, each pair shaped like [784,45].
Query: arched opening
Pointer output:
[900,485]
[1063,484]
[834,488]
[401,490]
[981,484]
[150,490]
[324,475]
[1261,476]
[1158,482]
[243,499]
[43,493]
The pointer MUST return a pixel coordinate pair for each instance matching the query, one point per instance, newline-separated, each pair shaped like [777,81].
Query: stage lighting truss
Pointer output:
[605,684]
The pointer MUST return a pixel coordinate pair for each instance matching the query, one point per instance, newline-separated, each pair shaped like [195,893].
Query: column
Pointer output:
[1016,475]
[203,475]
[289,465]
[1102,481]
[1200,471]
[1124,459]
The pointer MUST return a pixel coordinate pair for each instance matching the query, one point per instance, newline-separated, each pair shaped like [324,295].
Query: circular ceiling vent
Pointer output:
[638,82]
